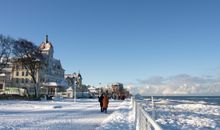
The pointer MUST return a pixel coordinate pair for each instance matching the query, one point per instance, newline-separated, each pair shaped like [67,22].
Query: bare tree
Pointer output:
[30,57]
[5,50]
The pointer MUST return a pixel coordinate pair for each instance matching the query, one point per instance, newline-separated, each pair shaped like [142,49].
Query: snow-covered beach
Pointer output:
[175,114]
[67,115]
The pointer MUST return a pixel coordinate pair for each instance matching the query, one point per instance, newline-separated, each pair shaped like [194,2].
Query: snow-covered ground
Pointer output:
[184,114]
[65,114]
[122,119]
[85,115]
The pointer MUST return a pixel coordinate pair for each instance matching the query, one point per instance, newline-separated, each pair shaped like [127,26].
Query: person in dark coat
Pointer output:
[100,101]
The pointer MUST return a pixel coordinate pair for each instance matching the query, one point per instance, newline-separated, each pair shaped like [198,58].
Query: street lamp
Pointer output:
[99,88]
[75,85]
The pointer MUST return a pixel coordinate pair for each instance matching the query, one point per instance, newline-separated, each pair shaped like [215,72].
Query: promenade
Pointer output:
[66,115]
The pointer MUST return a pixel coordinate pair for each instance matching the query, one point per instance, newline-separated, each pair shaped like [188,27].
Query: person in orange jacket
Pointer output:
[105,102]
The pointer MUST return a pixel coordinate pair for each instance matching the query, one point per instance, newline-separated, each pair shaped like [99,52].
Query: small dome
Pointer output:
[79,75]
[46,45]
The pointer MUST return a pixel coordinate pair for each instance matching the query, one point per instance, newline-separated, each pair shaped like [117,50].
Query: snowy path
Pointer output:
[121,119]
[32,115]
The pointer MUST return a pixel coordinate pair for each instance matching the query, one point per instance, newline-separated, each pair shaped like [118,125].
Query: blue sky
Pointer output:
[122,40]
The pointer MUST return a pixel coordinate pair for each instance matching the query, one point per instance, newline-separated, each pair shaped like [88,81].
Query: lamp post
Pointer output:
[45,82]
[75,85]
[100,88]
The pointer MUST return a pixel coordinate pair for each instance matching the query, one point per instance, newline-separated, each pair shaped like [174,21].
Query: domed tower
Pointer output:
[47,49]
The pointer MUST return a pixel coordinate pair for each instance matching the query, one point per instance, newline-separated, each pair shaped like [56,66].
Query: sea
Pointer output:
[209,100]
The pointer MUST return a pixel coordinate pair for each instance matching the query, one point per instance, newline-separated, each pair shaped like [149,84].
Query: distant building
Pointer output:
[74,80]
[94,92]
[70,92]
[118,91]
[117,87]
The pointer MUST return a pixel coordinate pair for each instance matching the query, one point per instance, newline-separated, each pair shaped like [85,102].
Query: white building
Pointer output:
[50,76]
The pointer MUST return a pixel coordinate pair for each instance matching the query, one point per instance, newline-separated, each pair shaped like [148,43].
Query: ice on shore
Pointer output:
[188,115]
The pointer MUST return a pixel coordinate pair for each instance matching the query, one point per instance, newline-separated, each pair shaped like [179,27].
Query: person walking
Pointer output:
[101,102]
[105,103]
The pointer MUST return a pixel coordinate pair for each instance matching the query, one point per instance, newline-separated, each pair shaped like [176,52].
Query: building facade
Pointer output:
[119,92]
[6,76]
[49,76]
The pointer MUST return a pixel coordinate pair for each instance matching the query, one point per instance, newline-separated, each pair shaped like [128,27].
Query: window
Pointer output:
[26,80]
[7,66]
[22,73]
[1,86]
[22,80]
[17,73]
[17,80]
[26,73]
[31,90]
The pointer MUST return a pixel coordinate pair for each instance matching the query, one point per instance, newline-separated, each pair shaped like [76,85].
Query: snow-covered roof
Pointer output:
[90,88]
[70,89]
[2,74]
[55,84]
[51,84]
[74,75]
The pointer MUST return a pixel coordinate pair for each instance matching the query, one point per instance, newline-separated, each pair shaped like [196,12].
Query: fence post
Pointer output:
[153,108]
[143,120]
[137,116]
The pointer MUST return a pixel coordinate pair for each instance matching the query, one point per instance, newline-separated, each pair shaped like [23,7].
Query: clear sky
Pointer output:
[122,40]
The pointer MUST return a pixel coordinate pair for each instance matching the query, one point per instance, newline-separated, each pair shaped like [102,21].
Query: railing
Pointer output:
[142,119]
